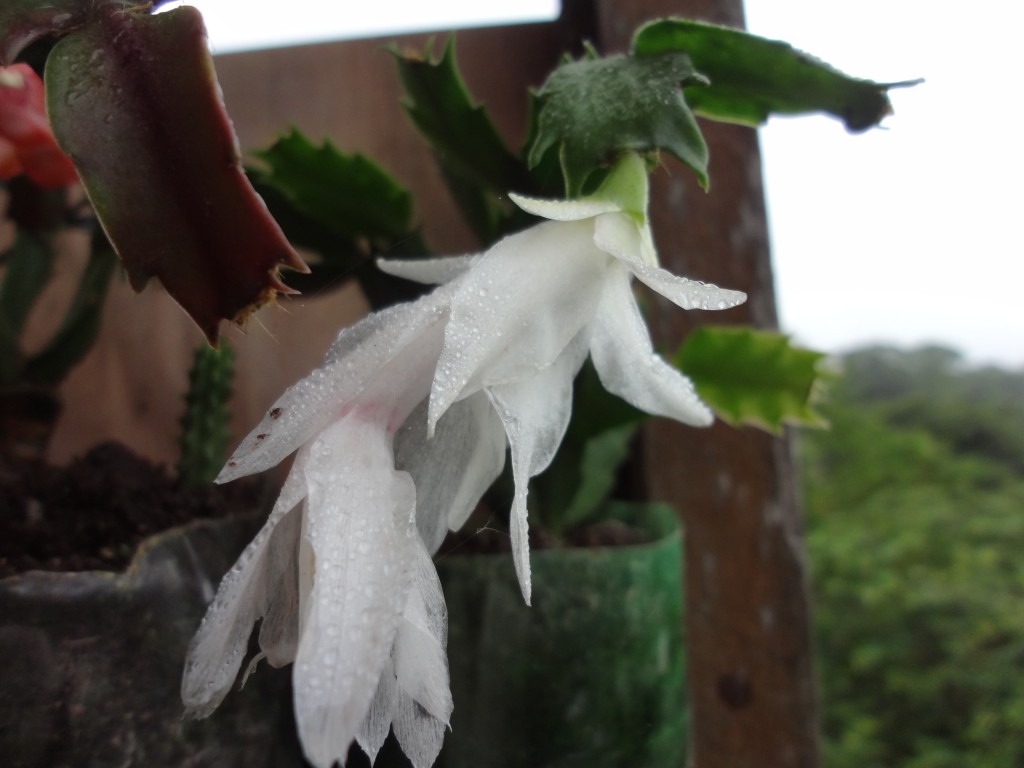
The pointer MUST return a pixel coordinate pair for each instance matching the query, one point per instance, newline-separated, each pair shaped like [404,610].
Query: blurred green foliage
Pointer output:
[753,377]
[26,268]
[915,503]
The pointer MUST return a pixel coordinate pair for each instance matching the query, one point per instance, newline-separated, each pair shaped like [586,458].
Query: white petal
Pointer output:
[390,327]
[454,467]
[429,271]
[375,726]
[415,679]
[352,362]
[621,350]
[564,210]
[625,238]
[420,734]
[245,595]
[359,513]
[404,381]
[279,631]
[620,236]
[535,413]
[688,294]
[420,661]
[517,309]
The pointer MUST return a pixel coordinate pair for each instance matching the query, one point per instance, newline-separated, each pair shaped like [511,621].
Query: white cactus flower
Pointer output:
[525,314]
[339,574]
[398,435]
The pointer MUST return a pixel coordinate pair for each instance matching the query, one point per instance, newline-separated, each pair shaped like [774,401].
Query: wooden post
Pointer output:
[753,700]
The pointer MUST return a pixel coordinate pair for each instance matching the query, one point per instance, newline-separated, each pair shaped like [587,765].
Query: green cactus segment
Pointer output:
[81,324]
[204,426]
[753,377]
[593,110]
[752,78]
[29,264]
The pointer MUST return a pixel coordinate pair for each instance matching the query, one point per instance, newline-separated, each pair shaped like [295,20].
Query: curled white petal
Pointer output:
[564,210]
[620,347]
[428,271]
[688,294]
[624,238]
[535,412]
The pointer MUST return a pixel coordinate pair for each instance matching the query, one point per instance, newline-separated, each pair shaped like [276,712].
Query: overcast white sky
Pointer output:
[905,235]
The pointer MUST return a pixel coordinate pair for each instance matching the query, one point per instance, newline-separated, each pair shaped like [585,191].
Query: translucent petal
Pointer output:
[429,271]
[416,674]
[360,513]
[279,631]
[535,412]
[375,726]
[564,210]
[245,595]
[420,661]
[355,358]
[420,734]
[517,309]
[627,365]
[454,467]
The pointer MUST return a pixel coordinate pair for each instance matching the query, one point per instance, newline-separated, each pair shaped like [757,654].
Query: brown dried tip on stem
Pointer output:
[267,296]
[411,54]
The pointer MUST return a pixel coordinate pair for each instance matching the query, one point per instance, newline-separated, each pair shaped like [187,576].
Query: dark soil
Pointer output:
[92,514]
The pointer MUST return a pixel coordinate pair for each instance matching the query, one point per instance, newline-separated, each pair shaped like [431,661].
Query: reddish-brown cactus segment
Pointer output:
[135,103]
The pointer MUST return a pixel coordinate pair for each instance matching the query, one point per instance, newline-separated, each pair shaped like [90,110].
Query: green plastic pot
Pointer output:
[590,676]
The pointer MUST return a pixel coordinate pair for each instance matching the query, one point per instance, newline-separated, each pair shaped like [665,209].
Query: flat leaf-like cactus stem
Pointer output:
[134,102]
